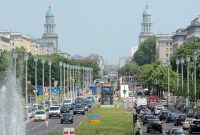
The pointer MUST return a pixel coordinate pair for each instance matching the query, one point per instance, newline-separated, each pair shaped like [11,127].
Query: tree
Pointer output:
[146,52]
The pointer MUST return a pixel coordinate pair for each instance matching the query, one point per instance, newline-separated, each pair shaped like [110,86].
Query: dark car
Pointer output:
[163,115]
[79,109]
[155,125]
[176,131]
[73,106]
[85,105]
[194,126]
[180,119]
[89,103]
[147,118]
[66,117]
[171,117]
[64,109]
[190,113]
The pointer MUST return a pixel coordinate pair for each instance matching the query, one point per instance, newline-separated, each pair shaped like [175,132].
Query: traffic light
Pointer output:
[134,118]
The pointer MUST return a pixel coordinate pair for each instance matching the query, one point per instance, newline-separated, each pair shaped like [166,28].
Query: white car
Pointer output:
[158,109]
[40,115]
[54,111]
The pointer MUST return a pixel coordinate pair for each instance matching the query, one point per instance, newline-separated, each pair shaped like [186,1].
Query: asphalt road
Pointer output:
[39,127]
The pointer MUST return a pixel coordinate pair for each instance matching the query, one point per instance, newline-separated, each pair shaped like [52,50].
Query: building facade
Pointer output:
[146,26]
[178,39]
[164,47]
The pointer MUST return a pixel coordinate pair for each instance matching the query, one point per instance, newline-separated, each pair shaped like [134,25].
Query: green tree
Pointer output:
[146,52]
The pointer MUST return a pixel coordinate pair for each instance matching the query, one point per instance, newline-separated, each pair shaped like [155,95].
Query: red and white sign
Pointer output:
[68,131]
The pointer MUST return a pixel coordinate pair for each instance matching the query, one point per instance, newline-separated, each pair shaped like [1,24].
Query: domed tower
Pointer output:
[49,35]
[146,25]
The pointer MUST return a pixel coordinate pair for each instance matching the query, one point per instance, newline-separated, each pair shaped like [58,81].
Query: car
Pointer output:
[54,111]
[190,113]
[85,105]
[66,117]
[176,131]
[163,102]
[154,124]
[171,117]
[147,118]
[64,109]
[180,119]
[79,109]
[158,110]
[73,105]
[89,103]
[186,123]
[163,115]
[40,115]
[90,98]
[67,102]
[194,126]
[145,113]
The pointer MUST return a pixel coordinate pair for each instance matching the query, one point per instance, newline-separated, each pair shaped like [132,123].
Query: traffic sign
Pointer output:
[94,121]
[95,116]
[68,131]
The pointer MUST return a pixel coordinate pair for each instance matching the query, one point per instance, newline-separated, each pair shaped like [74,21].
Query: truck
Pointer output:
[141,101]
[151,100]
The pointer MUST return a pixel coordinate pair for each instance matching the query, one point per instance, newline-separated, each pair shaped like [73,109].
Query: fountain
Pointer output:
[11,111]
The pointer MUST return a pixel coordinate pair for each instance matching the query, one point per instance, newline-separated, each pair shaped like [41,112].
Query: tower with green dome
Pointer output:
[146,25]
[49,35]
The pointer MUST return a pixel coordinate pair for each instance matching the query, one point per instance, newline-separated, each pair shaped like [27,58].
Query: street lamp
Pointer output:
[49,63]
[177,66]
[167,64]
[67,81]
[60,64]
[14,56]
[83,77]
[188,87]
[36,60]
[26,88]
[43,61]
[182,62]
[64,65]
[195,76]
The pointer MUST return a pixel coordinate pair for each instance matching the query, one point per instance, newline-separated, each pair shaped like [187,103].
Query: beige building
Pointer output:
[193,30]
[4,43]
[163,47]
[178,39]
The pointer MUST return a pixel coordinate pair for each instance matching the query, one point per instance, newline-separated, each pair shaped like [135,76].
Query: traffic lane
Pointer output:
[39,127]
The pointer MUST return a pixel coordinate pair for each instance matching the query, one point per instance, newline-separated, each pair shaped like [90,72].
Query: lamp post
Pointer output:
[195,77]
[188,87]
[168,64]
[67,81]
[64,65]
[49,63]
[177,66]
[182,62]
[43,61]
[60,64]
[26,88]
[14,56]
[70,82]
[83,77]
[73,83]
[36,60]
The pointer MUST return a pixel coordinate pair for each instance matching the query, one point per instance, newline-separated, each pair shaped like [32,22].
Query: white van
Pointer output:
[54,111]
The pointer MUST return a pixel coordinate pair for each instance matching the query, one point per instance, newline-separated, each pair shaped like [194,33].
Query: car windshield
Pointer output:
[40,112]
[178,130]
[67,101]
[54,108]
[156,121]
[182,117]
[78,106]
[65,114]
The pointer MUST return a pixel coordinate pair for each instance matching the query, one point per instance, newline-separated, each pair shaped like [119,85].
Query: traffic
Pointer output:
[69,113]
[156,116]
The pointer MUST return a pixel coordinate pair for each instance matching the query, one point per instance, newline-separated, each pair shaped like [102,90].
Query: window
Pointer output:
[167,54]
[171,49]
[167,49]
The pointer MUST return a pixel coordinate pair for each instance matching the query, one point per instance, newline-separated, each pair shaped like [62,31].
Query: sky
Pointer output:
[106,27]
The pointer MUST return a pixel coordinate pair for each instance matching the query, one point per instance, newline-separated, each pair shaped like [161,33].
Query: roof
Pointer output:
[49,12]
[147,11]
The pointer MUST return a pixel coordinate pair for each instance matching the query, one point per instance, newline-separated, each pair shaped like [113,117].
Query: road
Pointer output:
[39,128]
[166,126]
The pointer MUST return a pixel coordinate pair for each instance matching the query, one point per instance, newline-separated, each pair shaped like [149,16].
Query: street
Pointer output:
[39,128]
